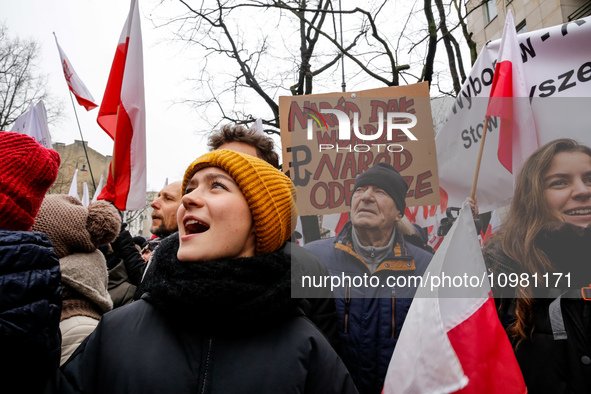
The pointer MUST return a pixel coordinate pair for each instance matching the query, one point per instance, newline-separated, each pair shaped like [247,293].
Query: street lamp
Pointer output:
[82,162]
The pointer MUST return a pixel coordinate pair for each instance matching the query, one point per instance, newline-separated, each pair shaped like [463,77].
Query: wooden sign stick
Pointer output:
[473,194]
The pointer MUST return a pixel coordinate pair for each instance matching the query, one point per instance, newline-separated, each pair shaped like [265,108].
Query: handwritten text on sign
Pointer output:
[329,139]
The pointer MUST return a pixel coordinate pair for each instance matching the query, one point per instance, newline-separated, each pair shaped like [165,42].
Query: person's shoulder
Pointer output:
[418,253]
[421,257]
[12,237]
[320,244]
[77,325]
[323,249]
[294,250]
[302,327]
[129,312]
[22,251]
[303,258]
[495,259]
[131,320]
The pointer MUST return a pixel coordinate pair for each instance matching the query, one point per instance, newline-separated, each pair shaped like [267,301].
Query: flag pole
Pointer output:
[83,144]
[473,193]
[343,84]
[77,121]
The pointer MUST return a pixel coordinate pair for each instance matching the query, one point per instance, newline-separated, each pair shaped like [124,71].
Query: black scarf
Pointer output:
[221,295]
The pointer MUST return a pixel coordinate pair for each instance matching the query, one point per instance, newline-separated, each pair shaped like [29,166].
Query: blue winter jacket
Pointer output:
[30,307]
[370,317]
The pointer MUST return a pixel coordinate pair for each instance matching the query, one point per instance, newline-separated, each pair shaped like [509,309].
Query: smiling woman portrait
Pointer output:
[545,241]
[217,315]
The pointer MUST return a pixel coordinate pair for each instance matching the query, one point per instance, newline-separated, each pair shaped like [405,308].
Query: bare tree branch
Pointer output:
[288,48]
[20,84]
[428,68]
[448,46]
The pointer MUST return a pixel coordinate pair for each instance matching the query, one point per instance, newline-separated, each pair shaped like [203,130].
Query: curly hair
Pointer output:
[264,145]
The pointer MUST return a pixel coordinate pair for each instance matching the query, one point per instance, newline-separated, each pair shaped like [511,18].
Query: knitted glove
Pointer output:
[569,249]
[123,241]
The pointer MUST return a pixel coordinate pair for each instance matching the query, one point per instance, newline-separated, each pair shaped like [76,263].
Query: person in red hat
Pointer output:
[30,295]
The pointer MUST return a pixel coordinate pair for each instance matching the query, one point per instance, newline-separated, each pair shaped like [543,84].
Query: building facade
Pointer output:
[487,18]
[73,157]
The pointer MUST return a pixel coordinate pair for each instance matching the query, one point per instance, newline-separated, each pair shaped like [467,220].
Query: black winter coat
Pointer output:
[30,307]
[208,327]
[548,365]
[318,304]
[136,349]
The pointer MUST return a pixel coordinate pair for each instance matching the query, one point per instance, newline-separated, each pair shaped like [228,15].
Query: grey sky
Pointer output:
[88,32]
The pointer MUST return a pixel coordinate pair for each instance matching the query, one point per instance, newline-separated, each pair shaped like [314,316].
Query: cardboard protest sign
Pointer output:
[328,139]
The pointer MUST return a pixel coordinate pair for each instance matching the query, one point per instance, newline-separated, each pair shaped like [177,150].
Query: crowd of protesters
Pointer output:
[214,303]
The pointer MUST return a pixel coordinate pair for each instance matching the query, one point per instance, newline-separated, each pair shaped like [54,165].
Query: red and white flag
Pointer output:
[75,84]
[509,100]
[452,339]
[123,116]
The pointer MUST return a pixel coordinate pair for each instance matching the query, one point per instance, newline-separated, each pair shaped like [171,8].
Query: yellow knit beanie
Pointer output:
[270,194]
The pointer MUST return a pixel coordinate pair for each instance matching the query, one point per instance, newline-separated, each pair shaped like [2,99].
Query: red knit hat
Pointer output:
[27,170]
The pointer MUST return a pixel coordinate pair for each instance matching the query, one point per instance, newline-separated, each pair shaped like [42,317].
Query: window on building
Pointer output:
[490,10]
[521,27]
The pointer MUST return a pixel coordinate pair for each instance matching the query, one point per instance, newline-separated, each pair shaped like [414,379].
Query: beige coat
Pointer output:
[74,331]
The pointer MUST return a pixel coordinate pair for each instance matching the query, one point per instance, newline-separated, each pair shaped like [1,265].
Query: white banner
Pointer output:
[34,124]
[74,186]
[85,195]
[557,66]
[98,189]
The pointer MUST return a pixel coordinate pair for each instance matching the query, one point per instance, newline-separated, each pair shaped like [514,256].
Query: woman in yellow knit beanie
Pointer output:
[217,315]
[264,193]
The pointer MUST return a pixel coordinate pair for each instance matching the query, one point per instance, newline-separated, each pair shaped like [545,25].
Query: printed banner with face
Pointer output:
[328,139]
[557,68]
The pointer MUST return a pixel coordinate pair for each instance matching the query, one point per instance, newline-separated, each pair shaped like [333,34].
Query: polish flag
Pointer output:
[452,339]
[75,84]
[123,116]
[509,100]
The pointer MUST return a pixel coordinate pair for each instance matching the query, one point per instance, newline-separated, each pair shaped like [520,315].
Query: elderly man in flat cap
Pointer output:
[374,272]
